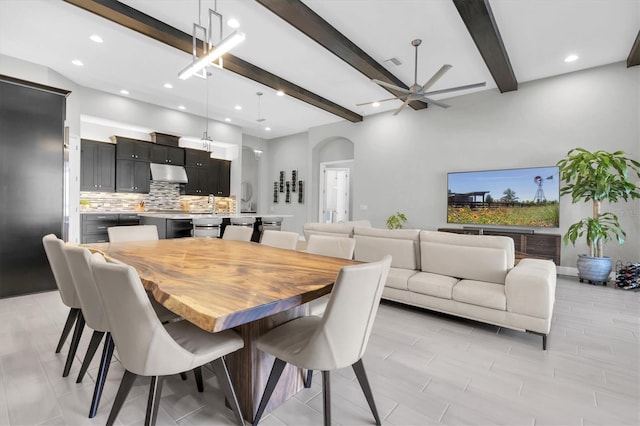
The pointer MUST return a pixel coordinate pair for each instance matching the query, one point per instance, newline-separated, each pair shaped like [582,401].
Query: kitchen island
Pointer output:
[178,224]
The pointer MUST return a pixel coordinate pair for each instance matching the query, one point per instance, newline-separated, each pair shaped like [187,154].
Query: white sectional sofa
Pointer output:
[337,229]
[470,276]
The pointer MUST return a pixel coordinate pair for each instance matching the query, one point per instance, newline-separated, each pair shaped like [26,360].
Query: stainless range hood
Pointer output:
[167,173]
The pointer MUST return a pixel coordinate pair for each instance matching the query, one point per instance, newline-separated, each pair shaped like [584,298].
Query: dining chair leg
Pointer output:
[96,337]
[155,390]
[71,318]
[125,386]
[361,374]
[77,334]
[183,375]
[274,376]
[105,361]
[220,368]
[326,397]
[197,372]
[309,379]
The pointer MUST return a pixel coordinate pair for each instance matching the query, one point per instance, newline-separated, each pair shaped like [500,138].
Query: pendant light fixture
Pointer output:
[259,120]
[206,139]
[211,53]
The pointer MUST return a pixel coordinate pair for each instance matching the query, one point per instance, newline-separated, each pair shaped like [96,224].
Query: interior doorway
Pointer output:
[335,193]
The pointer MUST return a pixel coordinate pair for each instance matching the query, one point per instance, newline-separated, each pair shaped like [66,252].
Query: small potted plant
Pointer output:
[395,221]
[597,176]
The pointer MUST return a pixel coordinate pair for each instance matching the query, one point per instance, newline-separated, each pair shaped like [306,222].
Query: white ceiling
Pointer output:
[537,34]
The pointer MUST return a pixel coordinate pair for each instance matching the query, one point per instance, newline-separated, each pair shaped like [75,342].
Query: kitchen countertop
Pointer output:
[188,215]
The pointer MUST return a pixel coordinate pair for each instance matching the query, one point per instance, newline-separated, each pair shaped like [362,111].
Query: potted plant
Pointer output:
[395,221]
[597,176]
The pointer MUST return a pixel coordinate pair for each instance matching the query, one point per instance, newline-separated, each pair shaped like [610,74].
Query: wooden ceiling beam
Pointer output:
[479,20]
[634,55]
[142,23]
[305,20]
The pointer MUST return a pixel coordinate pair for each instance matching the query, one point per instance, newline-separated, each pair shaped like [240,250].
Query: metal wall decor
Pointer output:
[287,187]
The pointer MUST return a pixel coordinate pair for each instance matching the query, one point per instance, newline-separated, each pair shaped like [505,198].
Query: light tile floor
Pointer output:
[425,368]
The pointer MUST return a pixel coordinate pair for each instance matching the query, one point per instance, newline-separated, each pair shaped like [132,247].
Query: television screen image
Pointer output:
[512,197]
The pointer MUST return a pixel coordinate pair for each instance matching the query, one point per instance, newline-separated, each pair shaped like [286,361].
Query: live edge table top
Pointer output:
[219,284]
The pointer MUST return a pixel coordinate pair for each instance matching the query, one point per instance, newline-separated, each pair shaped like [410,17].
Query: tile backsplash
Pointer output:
[162,196]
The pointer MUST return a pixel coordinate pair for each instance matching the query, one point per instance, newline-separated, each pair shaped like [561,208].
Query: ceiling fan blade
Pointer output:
[437,76]
[436,103]
[401,97]
[391,86]
[404,104]
[453,89]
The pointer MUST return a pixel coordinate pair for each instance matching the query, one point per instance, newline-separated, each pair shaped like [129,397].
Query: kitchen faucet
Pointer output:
[212,200]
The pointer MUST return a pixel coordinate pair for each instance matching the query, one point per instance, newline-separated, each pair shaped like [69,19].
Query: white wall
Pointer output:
[289,153]
[401,162]
[264,189]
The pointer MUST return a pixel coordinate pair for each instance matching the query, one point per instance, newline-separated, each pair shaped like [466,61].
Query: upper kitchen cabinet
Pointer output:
[220,177]
[196,158]
[133,176]
[163,154]
[97,166]
[132,165]
[131,149]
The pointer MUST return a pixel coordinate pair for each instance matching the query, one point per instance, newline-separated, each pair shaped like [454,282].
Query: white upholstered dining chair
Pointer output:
[53,247]
[238,233]
[119,234]
[338,339]
[79,260]
[147,348]
[280,239]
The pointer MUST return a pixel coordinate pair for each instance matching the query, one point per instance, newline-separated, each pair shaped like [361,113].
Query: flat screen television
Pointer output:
[526,197]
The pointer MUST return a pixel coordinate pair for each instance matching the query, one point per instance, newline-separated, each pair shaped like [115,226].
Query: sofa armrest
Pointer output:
[530,288]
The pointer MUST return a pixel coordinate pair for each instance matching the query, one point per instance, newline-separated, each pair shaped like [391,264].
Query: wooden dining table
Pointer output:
[221,284]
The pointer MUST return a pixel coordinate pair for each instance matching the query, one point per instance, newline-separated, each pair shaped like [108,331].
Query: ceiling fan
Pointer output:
[417,92]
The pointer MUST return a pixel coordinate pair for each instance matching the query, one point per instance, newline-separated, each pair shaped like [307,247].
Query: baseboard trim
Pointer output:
[567,270]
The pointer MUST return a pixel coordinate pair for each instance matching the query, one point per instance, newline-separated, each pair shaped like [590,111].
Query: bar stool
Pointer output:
[271,223]
[206,227]
[246,221]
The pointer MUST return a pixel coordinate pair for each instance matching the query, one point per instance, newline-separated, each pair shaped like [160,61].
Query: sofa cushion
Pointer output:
[480,293]
[338,229]
[432,284]
[399,277]
[474,257]
[402,244]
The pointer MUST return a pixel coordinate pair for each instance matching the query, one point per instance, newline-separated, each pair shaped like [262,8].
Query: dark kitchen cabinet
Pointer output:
[97,166]
[198,181]
[196,158]
[133,176]
[197,165]
[132,165]
[163,154]
[94,226]
[220,177]
[131,149]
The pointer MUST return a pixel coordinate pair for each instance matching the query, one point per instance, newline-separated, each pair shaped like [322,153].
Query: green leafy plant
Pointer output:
[597,176]
[395,221]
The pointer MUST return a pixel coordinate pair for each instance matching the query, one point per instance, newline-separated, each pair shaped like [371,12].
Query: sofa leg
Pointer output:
[544,338]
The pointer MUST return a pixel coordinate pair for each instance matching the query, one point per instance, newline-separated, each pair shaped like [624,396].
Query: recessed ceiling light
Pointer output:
[280,93]
[571,58]
[77,62]
[238,107]
[227,119]
[168,86]
[96,38]
[124,91]
[182,107]
[233,23]
[268,129]
[375,104]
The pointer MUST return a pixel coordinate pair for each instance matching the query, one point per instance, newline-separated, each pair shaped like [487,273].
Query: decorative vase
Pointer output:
[596,270]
